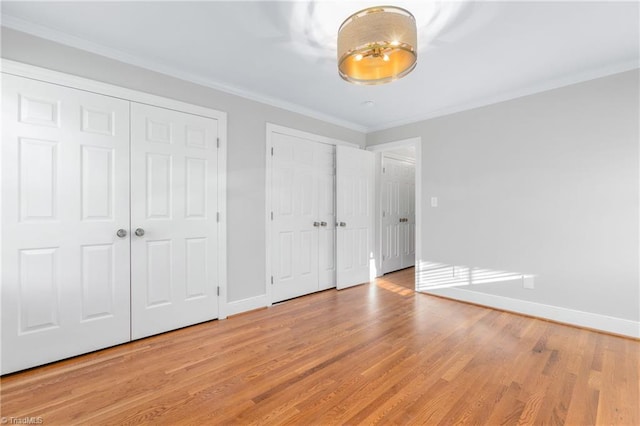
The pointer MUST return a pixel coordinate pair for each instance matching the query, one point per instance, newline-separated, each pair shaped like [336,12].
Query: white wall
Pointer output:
[246,142]
[546,185]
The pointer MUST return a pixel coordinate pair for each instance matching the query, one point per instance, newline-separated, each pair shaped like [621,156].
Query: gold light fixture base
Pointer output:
[377,45]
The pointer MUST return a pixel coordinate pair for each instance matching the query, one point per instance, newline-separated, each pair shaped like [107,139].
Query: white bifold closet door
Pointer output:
[398,214]
[83,267]
[173,220]
[355,204]
[65,194]
[303,217]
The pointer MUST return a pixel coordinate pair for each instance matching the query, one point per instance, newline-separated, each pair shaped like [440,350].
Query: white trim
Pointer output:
[270,130]
[416,142]
[394,156]
[223,302]
[82,44]
[249,304]
[564,315]
[513,94]
[388,146]
[80,83]
[419,172]
[98,49]
[276,128]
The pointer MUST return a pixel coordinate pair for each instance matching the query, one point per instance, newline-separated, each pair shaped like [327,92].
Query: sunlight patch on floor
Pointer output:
[386,285]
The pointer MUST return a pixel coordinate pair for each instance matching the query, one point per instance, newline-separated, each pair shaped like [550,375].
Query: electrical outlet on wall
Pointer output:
[434,201]
[527,281]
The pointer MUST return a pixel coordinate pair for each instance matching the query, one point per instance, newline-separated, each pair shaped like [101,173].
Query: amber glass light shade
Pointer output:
[377,45]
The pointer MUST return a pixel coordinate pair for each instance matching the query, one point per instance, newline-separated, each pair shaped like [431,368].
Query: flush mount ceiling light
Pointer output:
[377,45]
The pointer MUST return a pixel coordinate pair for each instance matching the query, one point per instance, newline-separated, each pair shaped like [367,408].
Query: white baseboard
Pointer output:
[555,313]
[245,305]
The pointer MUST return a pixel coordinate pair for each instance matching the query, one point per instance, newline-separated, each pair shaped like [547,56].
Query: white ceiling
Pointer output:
[282,53]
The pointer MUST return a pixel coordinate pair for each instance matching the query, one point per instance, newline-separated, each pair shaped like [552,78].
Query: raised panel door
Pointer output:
[408,252]
[398,214]
[174,205]
[65,193]
[295,222]
[354,198]
[391,186]
[326,183]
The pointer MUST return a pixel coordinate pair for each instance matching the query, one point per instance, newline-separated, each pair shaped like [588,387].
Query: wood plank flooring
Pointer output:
[376,353]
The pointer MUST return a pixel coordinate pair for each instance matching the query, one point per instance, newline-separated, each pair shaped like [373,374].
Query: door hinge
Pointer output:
[218,290]
[271,215]
[217,216]
[271,279]
[217,142]
[384,170]
[272,151]
[384,214]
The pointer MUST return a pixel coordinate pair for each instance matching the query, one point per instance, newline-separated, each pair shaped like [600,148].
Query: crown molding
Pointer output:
[507,96]
[82,44]
[118,55]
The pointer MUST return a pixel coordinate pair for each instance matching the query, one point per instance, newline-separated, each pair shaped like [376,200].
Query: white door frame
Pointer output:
[271,129]
[415,142]
[75,82]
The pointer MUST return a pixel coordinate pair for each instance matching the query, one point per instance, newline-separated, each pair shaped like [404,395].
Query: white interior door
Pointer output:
[65,193]
[303,217]
[398,214]
[408,212]
[325,168]
[391,216]
[355,204]
[174,272]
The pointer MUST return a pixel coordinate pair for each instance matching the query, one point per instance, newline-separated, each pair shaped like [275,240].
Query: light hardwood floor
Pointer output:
[376,353]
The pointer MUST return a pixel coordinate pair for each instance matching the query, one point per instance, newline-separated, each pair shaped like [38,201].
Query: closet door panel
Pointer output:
[294,206]
[354,212]
[326,182]
[174,201]
[65,193]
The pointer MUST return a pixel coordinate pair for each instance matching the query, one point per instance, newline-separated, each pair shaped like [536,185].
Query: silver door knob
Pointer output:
[121,233]
[342,224]
[139,232]
[316,223]
[323,223]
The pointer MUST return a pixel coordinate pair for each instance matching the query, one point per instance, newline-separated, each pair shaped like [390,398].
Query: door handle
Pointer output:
[121,233]
[323,223]
[139,232]
[316,223]
[342,224]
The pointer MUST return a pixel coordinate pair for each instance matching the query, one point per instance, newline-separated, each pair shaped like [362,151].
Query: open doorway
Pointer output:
[397,201]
